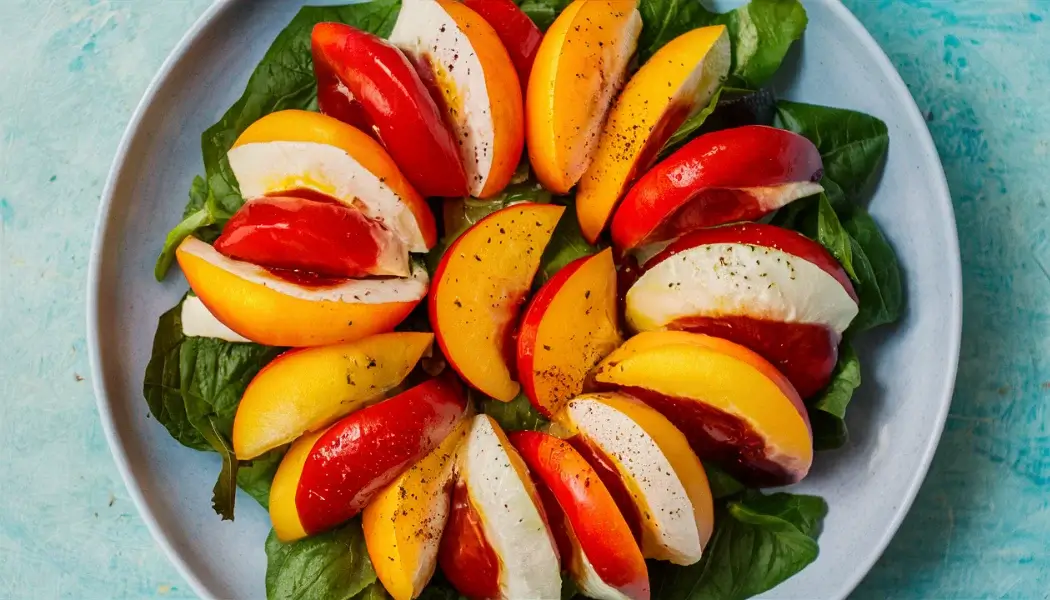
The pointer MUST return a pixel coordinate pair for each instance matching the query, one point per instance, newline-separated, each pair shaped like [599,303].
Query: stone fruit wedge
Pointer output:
[655,477]
[772,290]
[568,327]
[479,288]
[674,84]
[497,543]
[733,406]
[328,477]
[309,389]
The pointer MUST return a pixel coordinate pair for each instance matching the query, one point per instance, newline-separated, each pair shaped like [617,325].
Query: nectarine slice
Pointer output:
[579,68]
[649,456]
[295,149]
[328,477]
[569,326]
[479,287]
[673,85]
[474,80]
[607,562]
[734,407]
[497,544]
[403,525]
[305,390]
[268,309]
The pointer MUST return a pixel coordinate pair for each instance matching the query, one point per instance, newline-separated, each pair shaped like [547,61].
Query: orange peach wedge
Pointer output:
[308,389]
[647,463]
[673,85]
[294,151]
[271,310]
[479,288]
[473,78]
[735,408]
[403,524]
[579,68]
[569,326]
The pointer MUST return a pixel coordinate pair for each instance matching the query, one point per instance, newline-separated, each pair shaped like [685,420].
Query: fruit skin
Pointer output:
[255,306]
[479,287]
[343,468]
[466,557]
[329,239]
[674,84]
[738,174]
[735,408]
[515,29]
[392,100]
[597,525]
[568,98]
[308,389]
[403,524]
[781,321]
[568,327]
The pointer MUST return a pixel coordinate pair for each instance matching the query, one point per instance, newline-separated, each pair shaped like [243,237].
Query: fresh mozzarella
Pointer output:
[738,279]
[648,473]
[197,321]
[431,36]
[513,525]
[264,168]
[360,291]
[770,198]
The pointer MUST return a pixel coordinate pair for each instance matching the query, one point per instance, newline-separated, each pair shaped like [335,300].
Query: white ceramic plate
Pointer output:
[895,420]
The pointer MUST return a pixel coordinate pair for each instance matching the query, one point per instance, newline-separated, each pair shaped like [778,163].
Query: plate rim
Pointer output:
[914,117]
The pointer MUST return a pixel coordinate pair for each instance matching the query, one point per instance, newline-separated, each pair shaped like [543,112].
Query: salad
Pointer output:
[497,299]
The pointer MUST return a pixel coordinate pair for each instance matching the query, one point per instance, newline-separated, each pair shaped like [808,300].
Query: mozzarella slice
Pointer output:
[197,321]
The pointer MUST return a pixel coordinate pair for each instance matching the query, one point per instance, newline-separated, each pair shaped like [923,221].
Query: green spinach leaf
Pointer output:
[256,475]
[722,484]
[664,20]
[833,236]
[328,566]
[543,12]
[878,273]
[827,411]
[162,384]
[516,415]
[762,32]
[566,244]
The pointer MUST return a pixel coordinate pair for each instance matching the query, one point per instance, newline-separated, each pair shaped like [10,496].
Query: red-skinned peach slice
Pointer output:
[497,543]
[475,81]
[367,82]
[674,84]
[568,327]
[735,408]
[329,477]
[403,524]
[739,174]
[516,30]
[326,238]
[293,150]
[651,459]
[271,310]
[308,389]
[579,68]
[610,564]
[770,289]
[479,288]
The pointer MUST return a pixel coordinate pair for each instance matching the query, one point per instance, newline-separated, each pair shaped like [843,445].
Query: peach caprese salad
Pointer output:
[674,344]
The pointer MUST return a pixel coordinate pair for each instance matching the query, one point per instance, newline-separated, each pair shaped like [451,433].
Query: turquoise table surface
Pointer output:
[72,71]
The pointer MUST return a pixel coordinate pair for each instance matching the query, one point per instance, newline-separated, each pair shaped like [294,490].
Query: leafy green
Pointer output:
[730,107]
[516,415]
[256,475]
[833,236]
[878,273]
[283,80]
[722,484]
[759,541]
[566,244]
[328,566]
[827,411]
[762,31]
[692,124]
[664,20]
[543,12]
[162,383]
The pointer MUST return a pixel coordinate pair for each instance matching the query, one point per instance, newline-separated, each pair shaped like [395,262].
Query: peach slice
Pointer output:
[328,477]
[479,287]
[770,289]
[308,389]
[403,524]
[634,447]
[497,543]
[579,68]
[735,408]
[473,77]
[569,326]
[673,85]
[271,310]
[606,560]
[294,150]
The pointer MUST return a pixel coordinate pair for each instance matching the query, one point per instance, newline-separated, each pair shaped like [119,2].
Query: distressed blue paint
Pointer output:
[981,524]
